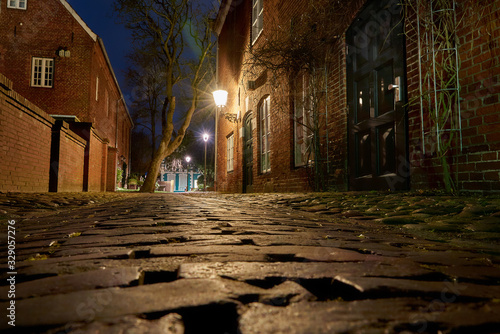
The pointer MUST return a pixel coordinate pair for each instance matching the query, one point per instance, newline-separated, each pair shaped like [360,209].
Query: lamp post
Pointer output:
[205,139]
[188,159]
[220,98]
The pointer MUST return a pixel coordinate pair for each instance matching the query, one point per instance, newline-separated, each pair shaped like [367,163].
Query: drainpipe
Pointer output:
[216,114]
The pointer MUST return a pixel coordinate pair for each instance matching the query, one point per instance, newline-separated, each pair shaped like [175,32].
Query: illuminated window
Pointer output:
[42,72]
[265,132]
[18,4]
[230,153]
[97,88]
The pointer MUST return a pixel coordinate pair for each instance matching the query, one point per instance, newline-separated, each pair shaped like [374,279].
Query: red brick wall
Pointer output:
[25,134]
[28,138]
[108,110]
[97,150]
[477,166]
[46,27]
[112,163]
[71,161]
[338,109]
[234,39]
[232,44]
[40,31]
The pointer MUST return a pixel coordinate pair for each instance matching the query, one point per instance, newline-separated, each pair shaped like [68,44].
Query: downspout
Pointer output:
[216,114]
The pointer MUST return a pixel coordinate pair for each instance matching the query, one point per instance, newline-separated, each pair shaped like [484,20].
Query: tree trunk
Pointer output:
[154,167]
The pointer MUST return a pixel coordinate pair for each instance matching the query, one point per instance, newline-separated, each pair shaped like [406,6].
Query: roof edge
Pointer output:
[77,17]
[221,15]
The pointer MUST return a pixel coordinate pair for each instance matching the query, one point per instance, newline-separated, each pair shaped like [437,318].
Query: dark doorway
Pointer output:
[376,93]
[248,154]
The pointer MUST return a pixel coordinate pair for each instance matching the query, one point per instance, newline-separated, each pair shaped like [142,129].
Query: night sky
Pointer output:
[100,17]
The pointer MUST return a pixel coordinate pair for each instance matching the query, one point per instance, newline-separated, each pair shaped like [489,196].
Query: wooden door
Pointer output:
[376,95]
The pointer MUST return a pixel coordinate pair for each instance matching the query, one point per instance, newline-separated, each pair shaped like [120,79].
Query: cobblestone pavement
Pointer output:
[266,263]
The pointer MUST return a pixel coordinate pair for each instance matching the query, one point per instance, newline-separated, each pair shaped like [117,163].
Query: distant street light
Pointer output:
[188,159]
[205,138]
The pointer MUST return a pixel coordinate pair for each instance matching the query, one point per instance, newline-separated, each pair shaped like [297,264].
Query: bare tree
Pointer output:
[177,34]
[146,78]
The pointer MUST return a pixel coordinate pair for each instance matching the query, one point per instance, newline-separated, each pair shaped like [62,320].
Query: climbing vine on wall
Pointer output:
[436,26]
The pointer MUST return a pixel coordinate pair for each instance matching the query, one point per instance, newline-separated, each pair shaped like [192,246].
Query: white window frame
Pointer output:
[42,74]
[230,153]
[303,123]
[97,88]
[257,19]
[265,133]
[17,4]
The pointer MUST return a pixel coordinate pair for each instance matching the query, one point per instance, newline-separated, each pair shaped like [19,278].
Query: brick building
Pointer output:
[406,96]
[55,61]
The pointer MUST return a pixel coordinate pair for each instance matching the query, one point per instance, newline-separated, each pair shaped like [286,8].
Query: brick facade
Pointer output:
[84,84]
[39,153]
[67,159]
[25,131]
[477,165]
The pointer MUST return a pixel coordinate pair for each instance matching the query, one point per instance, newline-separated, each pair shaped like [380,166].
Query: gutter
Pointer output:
[221,16]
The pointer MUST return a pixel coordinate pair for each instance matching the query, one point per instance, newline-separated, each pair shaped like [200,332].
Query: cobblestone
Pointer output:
[254,263]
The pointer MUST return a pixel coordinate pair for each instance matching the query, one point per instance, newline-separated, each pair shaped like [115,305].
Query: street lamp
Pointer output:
[205,139]
[220,98]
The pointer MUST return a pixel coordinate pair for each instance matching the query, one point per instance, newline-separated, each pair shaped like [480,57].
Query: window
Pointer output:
[303,122]
[97,88]
[264,135]
[230,153]
[19,4]
[42,72]
[257,19]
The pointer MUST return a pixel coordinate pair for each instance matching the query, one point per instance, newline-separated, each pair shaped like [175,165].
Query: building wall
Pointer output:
[97,151]
[106,104]
[477,166]
[70,160]
[25,133]
[43,29]
[234,39]
[111,171]
[40,31]
[231,47]
[38,153]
